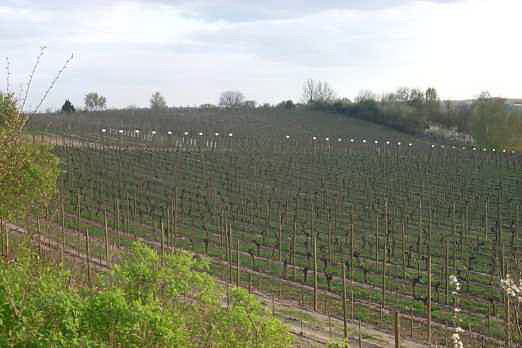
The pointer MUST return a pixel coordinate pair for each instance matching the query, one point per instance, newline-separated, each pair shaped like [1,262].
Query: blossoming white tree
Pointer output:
[456,340]
[513,291]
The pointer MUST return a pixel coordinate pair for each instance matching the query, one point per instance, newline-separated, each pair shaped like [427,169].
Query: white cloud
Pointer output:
[127,50]
[140,23]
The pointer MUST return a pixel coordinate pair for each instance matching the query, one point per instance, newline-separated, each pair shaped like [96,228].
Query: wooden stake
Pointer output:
[6,229]
[403,247]
[352,302]
[229,246]
[411,321]
[360,335]
[344,302]
[88,256]
[162,242]
[280,237]
[293,247]
[446,275]
[315,272]
[2,241]
[5,242]
[117,222]
[62,248]
[174,218]
[107,243]
[508,323]
[238,278]
[429,300]
[39,236]
[397,330]
[383,279]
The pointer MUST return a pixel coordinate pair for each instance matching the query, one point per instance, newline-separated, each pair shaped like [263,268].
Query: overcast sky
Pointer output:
[191,51]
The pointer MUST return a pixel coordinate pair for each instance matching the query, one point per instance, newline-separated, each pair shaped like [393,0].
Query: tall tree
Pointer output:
[250,104]
[416,97]
[365,96]
[286,104]
[493,124]
[317,92]
[231,99]
[68,107]
[95,102]
[431,96]
[325,93]
[157,102]
[402,94]
[309,91]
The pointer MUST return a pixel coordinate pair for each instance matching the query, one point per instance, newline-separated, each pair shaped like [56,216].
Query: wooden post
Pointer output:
[2,242]
[419,227]
[128,218]
[78,212]
[508,323]
[227,284]
[403,247]
[5,242]
[489,319]
[167,229]
[293,248]
[329,318]
[117,222]
[238,278]
[39,236]
[377,240]
[280,237]
[429,300]
[411,321]
[174,218]
[315,271]
[352,230]
[88,256]
[344,302]
[229,246]
[107,243]
[329,236]
[360,335]
[226,264]
[62,248]
[162,242]
[383,279]
[397,330]
[486,227]
[453,218]
[352,302]
[6,229]
[446,270]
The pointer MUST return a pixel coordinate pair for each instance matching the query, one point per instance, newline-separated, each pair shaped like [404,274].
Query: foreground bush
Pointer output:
[143,302]
[28,172]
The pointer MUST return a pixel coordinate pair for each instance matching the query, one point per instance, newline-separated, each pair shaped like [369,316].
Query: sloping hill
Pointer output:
[257,123]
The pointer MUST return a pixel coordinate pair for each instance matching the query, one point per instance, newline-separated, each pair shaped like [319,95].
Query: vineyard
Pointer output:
[334,215]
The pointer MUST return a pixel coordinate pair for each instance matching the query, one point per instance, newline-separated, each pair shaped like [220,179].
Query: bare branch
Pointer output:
[35,66]
[53,83]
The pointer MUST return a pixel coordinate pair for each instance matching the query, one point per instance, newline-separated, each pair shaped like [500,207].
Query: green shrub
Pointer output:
[143,302]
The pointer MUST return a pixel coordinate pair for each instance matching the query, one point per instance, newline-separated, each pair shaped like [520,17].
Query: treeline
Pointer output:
[486,120]
[408,110]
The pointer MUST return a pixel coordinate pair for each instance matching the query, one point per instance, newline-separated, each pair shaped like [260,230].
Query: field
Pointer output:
[284,201]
